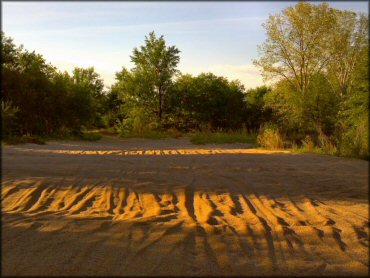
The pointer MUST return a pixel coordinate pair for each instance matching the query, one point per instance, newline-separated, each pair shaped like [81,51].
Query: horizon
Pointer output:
[216,37]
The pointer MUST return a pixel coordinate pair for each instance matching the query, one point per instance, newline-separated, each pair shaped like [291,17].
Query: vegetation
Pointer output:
[270,138]
[316,54]
[39,100]
[315,59]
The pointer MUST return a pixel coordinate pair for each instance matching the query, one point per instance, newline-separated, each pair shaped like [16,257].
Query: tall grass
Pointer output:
[270,138]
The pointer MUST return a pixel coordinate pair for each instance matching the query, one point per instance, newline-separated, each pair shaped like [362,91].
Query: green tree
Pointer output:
[206,100]
[256,110]
[297,44]
[353,122]
[8,115]
[89,83]
[139,103]
[313,52]
[157,63]
[349,42]
[48,101]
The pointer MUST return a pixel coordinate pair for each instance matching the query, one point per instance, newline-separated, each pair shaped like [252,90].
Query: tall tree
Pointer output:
[297,44]
[347,47]
[159,63]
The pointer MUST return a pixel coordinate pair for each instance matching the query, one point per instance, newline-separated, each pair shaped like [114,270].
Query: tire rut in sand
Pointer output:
[233,231]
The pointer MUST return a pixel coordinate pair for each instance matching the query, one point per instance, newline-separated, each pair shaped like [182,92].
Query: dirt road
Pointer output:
[167,207]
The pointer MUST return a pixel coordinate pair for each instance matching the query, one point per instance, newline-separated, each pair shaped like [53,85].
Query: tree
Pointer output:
[256,111]
[47,101]
[347,47]
[297,44]
[206,100]
[8,114]
[157,63]
[353,122]
[90,84]
[313,52]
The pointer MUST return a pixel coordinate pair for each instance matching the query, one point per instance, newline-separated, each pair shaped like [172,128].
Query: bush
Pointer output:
[270,138]
[355,142]
[307,144]
[326,144]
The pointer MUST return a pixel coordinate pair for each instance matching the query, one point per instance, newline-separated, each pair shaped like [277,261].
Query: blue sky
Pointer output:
[220,37]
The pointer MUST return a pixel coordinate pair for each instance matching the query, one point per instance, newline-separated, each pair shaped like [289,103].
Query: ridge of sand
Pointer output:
[225,212]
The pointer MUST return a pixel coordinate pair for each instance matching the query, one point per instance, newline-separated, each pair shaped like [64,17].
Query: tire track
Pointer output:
[232,231]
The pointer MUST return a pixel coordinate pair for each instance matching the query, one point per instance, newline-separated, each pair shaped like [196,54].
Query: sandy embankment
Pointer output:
[169,208]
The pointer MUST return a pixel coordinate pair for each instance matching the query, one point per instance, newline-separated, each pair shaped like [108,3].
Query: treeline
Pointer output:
[37,99]
[315,60]
[154,95]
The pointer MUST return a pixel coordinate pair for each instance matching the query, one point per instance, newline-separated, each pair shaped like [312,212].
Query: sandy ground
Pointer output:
[167,207]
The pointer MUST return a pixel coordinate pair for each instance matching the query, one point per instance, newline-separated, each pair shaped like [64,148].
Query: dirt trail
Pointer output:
[167,207]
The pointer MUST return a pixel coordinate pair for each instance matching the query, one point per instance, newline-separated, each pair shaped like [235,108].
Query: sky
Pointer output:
[218,37]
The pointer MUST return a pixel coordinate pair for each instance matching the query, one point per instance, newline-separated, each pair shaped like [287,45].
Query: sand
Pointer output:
[167,207]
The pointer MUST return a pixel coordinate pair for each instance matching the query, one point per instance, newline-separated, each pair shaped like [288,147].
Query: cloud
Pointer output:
[175,26]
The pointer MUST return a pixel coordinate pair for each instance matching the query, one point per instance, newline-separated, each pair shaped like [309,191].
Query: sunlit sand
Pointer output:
[101,209]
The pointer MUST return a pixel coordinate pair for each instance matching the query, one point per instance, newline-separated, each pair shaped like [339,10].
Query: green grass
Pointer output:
[201,138]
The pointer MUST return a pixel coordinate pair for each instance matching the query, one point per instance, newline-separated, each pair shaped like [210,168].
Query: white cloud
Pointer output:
[176,27]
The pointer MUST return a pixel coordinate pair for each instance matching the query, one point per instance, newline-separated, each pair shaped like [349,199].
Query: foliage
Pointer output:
[156,63]
[205,101]
[48,101]
[319,58]
[8,116]
[256,112]
[297,43]
[353,125]
[270,138]
[347,47]
[314,56]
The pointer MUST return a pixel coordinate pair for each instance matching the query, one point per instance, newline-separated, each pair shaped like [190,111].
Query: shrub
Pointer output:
[355,142]
[307,144]
[326,144]
[270,138]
